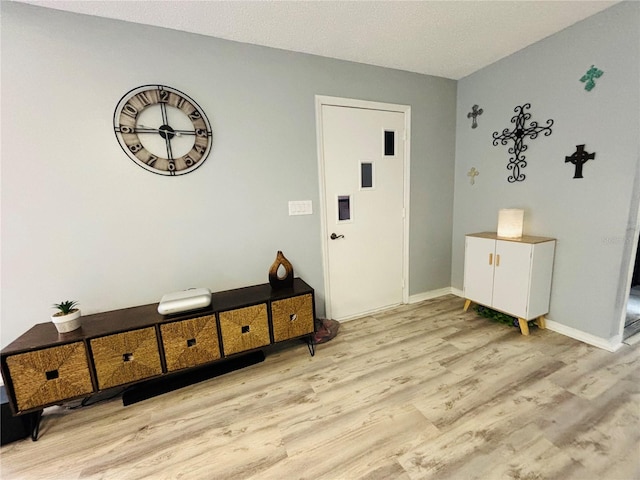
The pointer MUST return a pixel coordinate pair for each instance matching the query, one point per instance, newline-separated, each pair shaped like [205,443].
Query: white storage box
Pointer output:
[185,300]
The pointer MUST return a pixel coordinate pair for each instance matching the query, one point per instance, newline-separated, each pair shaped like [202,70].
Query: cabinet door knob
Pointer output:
[497,260]
[491,259]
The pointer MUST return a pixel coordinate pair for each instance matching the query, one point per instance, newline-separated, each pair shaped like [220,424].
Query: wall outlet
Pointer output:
[300,207]
[615,240]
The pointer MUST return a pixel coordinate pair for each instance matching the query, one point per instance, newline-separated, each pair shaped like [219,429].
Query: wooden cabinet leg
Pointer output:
[467,303]
[524,326]
[541,322]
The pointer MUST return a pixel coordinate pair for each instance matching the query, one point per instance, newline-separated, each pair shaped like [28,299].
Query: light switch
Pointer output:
[300,207]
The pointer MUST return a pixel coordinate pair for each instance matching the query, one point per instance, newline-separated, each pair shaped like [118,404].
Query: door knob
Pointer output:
[335,237]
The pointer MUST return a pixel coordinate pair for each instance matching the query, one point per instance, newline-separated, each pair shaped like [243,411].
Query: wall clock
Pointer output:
[162,129]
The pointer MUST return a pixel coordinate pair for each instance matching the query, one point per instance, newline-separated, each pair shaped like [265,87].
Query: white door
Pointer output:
[479,261]
[363,160]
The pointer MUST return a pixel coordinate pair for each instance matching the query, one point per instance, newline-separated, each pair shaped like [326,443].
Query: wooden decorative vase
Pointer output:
[276,280]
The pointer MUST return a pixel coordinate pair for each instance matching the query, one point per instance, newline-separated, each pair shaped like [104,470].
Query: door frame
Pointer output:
[320,101]
[634,238]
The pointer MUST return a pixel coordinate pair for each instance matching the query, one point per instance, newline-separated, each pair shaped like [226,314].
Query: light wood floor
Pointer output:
[424,391]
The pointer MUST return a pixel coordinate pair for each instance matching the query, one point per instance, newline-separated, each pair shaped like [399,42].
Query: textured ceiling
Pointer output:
[445,38]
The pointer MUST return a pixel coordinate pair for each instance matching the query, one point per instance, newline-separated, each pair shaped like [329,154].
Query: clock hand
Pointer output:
[167,138]
[145,129]
[163,111]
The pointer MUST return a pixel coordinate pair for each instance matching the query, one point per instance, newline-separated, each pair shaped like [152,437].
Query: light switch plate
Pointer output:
[300,207]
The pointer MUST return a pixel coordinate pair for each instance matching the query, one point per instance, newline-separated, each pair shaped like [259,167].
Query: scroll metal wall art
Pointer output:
[519,133]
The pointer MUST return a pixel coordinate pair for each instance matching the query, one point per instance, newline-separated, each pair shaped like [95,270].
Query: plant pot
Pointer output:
[67,323]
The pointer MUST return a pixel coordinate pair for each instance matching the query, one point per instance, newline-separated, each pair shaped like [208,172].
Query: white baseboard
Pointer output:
[412,299]
[420,297]
[457,292]
[611,345]
[368,312]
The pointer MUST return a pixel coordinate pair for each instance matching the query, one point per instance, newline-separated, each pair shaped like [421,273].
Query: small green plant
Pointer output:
[499,317]
[65,307]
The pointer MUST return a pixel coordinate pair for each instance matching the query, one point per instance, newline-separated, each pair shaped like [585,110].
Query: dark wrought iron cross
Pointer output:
[474,113]
[518,135]
[579,158]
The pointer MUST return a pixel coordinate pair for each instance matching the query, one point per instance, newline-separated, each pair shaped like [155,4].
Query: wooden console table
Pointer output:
[125,347]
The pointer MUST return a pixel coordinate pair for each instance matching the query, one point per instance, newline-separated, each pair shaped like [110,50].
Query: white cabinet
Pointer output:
[509,275]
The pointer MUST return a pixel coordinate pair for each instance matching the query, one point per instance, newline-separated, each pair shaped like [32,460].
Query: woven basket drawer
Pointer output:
[189,343]
[292,317]
[126,357]
[43,377]
[244,329]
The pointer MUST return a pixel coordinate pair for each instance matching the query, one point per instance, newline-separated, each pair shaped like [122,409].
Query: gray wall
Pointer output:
[594,218]
[82,221]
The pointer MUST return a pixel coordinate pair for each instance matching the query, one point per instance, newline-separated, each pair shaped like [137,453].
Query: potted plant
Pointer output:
[67,318]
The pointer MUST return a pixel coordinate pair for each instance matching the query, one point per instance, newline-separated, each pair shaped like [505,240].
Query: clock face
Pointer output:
[162,130]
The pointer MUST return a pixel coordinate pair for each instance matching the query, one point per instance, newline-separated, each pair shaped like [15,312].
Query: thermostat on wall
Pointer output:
[185,300]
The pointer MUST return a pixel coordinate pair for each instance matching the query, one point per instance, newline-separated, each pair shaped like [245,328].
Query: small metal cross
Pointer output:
[588,77]
[473,173]
[474,113]
[579,158]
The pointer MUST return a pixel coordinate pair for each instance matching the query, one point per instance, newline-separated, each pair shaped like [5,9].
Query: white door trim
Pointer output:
[320,101]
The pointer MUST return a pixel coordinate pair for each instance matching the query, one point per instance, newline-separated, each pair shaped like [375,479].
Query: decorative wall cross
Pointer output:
[474,113]
[472,174]
[518,135]
[588,78]
[579,158]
